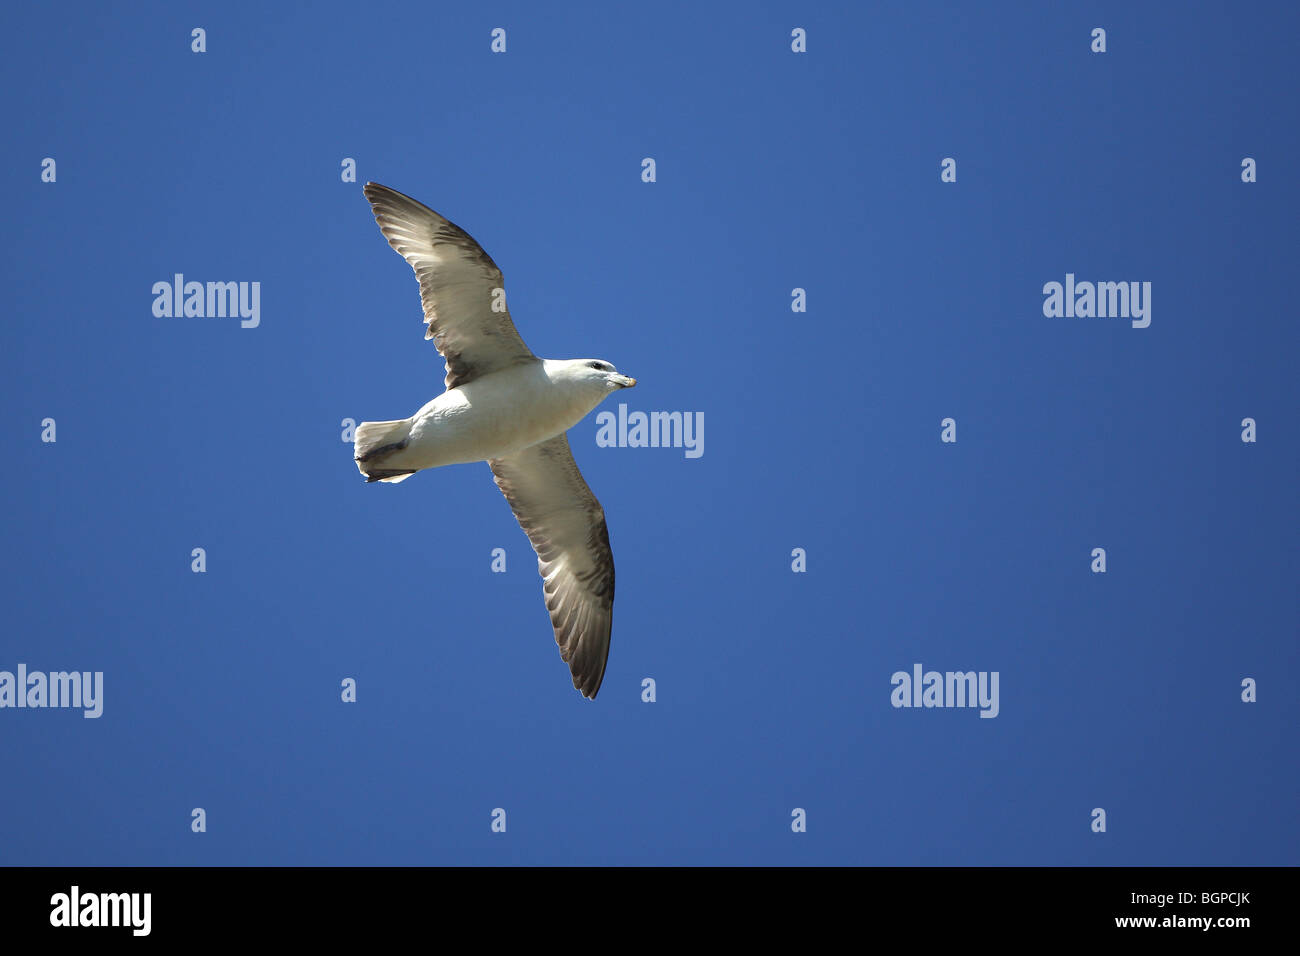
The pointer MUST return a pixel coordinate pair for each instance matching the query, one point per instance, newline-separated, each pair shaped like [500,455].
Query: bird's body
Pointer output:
[492,417]
[505,406]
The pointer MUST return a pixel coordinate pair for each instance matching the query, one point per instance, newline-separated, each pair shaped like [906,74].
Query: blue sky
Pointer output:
[774,171]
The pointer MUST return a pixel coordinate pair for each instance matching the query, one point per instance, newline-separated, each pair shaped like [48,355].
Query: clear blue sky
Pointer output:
[775,171]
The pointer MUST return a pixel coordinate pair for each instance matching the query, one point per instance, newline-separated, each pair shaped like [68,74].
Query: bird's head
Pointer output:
[598,372]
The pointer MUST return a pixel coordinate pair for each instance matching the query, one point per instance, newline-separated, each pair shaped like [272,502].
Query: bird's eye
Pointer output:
[597,366]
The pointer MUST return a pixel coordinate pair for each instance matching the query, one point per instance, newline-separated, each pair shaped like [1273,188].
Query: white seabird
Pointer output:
[505,406]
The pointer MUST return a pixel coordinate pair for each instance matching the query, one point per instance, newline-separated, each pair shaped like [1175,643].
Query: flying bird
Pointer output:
[505,406]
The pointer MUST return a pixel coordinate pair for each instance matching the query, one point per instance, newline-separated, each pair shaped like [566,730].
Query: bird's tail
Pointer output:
[377,441]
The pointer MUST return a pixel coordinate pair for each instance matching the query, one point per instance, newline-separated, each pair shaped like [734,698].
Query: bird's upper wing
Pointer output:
[458,283]
[566,526]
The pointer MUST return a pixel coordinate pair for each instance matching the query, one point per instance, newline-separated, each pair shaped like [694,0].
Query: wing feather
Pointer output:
[459,285]
[566,526]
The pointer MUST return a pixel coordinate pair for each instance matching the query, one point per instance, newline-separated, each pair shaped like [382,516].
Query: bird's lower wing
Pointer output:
[566,526]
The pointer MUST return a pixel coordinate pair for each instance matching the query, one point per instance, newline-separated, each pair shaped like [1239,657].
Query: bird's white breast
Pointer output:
[495,416]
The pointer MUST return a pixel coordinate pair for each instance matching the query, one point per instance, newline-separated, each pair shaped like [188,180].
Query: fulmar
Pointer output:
[505,406]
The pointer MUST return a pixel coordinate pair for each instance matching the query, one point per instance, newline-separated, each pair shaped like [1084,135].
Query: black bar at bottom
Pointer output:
[336,905]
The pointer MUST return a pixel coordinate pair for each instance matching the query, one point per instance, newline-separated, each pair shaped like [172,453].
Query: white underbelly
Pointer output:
[491,417]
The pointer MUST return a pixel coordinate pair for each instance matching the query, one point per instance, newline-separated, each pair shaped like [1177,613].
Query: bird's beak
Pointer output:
[624,382]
